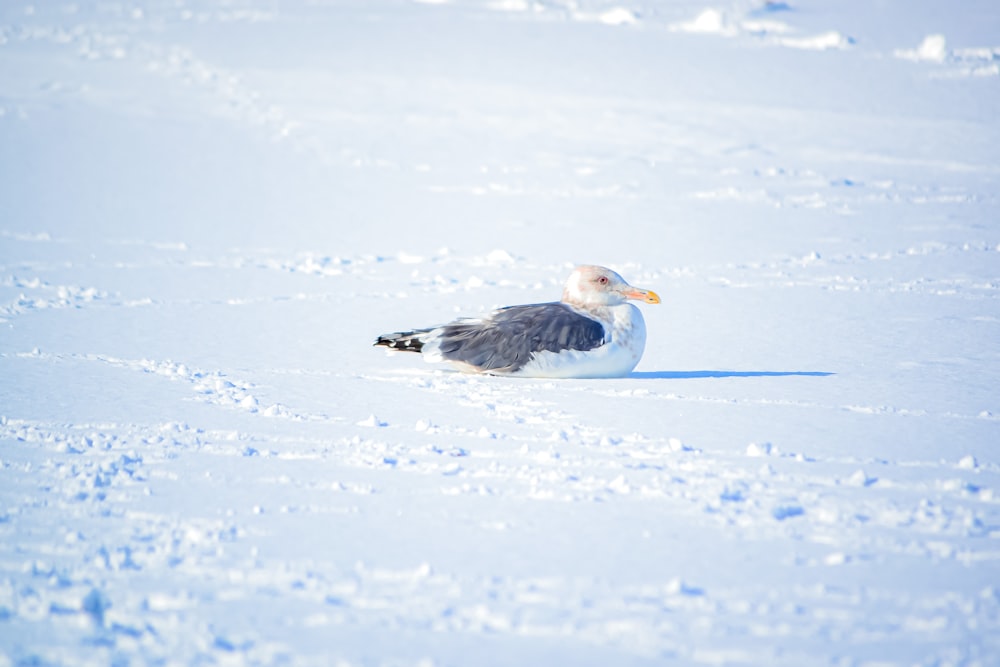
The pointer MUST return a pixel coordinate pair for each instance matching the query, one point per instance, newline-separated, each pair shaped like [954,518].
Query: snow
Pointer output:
[208,211]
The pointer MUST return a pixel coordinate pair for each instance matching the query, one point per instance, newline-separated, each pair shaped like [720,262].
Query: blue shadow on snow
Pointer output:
[689,375]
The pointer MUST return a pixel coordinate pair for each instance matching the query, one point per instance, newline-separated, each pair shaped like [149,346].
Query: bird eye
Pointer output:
[603,280]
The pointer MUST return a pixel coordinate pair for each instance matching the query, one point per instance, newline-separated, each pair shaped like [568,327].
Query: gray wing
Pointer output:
[509,338]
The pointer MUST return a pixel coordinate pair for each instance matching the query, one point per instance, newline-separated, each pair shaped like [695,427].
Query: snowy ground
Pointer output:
[208,210]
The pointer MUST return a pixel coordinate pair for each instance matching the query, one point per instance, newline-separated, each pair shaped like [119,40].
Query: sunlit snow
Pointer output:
[209,210]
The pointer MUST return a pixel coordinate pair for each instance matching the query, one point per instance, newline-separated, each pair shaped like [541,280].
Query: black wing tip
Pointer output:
[406,341]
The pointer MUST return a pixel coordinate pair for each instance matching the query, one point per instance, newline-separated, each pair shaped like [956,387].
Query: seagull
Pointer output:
[593,332]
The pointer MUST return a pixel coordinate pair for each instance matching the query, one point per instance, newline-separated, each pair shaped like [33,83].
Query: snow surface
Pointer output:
[208,210]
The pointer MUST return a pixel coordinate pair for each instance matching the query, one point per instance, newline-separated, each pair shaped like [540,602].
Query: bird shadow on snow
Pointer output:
[688,375]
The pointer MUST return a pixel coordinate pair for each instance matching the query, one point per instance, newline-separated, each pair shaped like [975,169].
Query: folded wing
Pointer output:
[507,339]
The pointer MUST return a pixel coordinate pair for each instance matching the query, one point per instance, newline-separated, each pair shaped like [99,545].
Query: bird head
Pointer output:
[590,286]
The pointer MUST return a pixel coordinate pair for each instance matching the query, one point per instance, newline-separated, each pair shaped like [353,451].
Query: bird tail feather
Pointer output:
[406,341]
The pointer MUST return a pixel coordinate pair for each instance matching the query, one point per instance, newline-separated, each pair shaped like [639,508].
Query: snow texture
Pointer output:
[208,210]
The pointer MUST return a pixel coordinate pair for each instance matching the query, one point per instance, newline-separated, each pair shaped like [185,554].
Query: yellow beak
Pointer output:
[644,295]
